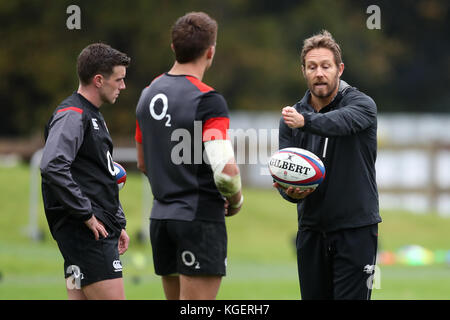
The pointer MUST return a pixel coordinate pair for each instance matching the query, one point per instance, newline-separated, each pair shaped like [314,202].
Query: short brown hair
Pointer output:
[99,58]
[324,39]
[192,34]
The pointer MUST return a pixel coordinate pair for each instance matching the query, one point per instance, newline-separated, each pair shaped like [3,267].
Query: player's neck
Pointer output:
[318,103]
[90,94]
[196,69]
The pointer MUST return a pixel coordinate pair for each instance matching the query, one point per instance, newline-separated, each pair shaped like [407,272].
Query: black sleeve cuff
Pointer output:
[83,216]
[307,118]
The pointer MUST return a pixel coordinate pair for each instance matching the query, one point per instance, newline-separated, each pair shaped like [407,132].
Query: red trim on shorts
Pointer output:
[216,129]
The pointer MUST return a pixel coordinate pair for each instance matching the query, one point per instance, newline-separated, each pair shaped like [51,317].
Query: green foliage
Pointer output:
[257,62]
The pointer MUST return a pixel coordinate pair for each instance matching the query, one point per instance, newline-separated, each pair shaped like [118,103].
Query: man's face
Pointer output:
[321,72]
[111,86]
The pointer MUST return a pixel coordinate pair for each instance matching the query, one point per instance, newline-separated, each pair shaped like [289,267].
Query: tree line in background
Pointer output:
[404,66]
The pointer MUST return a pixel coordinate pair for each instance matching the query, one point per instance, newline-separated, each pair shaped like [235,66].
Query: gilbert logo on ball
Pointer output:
[121,175]
[298,168]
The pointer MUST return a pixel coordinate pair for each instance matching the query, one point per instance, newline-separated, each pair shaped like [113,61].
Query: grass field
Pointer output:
[261,254]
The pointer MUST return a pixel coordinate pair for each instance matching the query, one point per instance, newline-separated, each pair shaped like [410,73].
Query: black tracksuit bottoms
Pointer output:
[338,264]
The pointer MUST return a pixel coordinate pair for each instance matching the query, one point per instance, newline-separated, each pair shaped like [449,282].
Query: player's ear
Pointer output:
[210,52]
[341,69]
[171,46]
[97,80]
[303,71]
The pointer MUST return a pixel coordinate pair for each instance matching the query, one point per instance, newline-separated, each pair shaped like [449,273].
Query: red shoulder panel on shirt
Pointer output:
[216,129]
[80,111]
[200,85]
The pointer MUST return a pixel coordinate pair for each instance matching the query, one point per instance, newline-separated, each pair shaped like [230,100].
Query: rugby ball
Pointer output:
[298,168]
[121,175]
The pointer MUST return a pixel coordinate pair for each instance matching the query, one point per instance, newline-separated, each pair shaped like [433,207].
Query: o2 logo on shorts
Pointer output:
[74,281]
[188,259]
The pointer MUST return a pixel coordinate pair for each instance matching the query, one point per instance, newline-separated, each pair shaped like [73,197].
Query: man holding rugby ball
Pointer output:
[338,221]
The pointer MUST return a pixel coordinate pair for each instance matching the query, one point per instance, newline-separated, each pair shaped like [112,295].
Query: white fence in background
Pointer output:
[413,163]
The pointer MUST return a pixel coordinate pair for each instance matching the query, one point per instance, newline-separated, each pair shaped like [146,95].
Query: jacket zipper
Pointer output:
[325,145]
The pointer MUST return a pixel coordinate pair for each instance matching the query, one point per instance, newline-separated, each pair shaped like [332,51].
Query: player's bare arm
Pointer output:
[140,157]
[234,203]
[226,174]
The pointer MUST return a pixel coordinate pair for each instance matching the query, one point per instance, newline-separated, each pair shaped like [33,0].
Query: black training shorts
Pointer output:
[189,247]
[337,265]
[87,260]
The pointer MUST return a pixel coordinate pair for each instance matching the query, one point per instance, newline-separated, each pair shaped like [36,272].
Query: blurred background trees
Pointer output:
[405,66]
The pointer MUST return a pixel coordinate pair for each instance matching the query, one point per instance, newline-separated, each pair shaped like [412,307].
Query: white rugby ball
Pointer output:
[296,167]
[121,175]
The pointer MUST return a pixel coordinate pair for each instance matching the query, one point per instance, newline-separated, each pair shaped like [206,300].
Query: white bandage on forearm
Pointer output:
[219,153]
[227,185]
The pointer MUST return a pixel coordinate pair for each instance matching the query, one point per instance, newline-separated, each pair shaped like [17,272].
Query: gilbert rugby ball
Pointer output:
[121,175]
[298,168]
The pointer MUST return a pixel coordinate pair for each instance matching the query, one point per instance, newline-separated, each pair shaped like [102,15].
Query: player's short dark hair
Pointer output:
[324,39]
[192,34]
[99,58]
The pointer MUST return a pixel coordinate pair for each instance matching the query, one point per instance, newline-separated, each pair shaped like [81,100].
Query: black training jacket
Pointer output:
[77,169]
[344,136]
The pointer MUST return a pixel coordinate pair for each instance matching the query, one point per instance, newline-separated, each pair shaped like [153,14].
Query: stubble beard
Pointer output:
[328,93]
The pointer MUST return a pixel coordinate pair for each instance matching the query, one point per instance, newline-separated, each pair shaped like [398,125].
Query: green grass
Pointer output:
[261,254]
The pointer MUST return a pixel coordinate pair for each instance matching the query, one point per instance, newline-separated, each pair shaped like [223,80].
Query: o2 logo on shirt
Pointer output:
[110,162]
[163,114]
